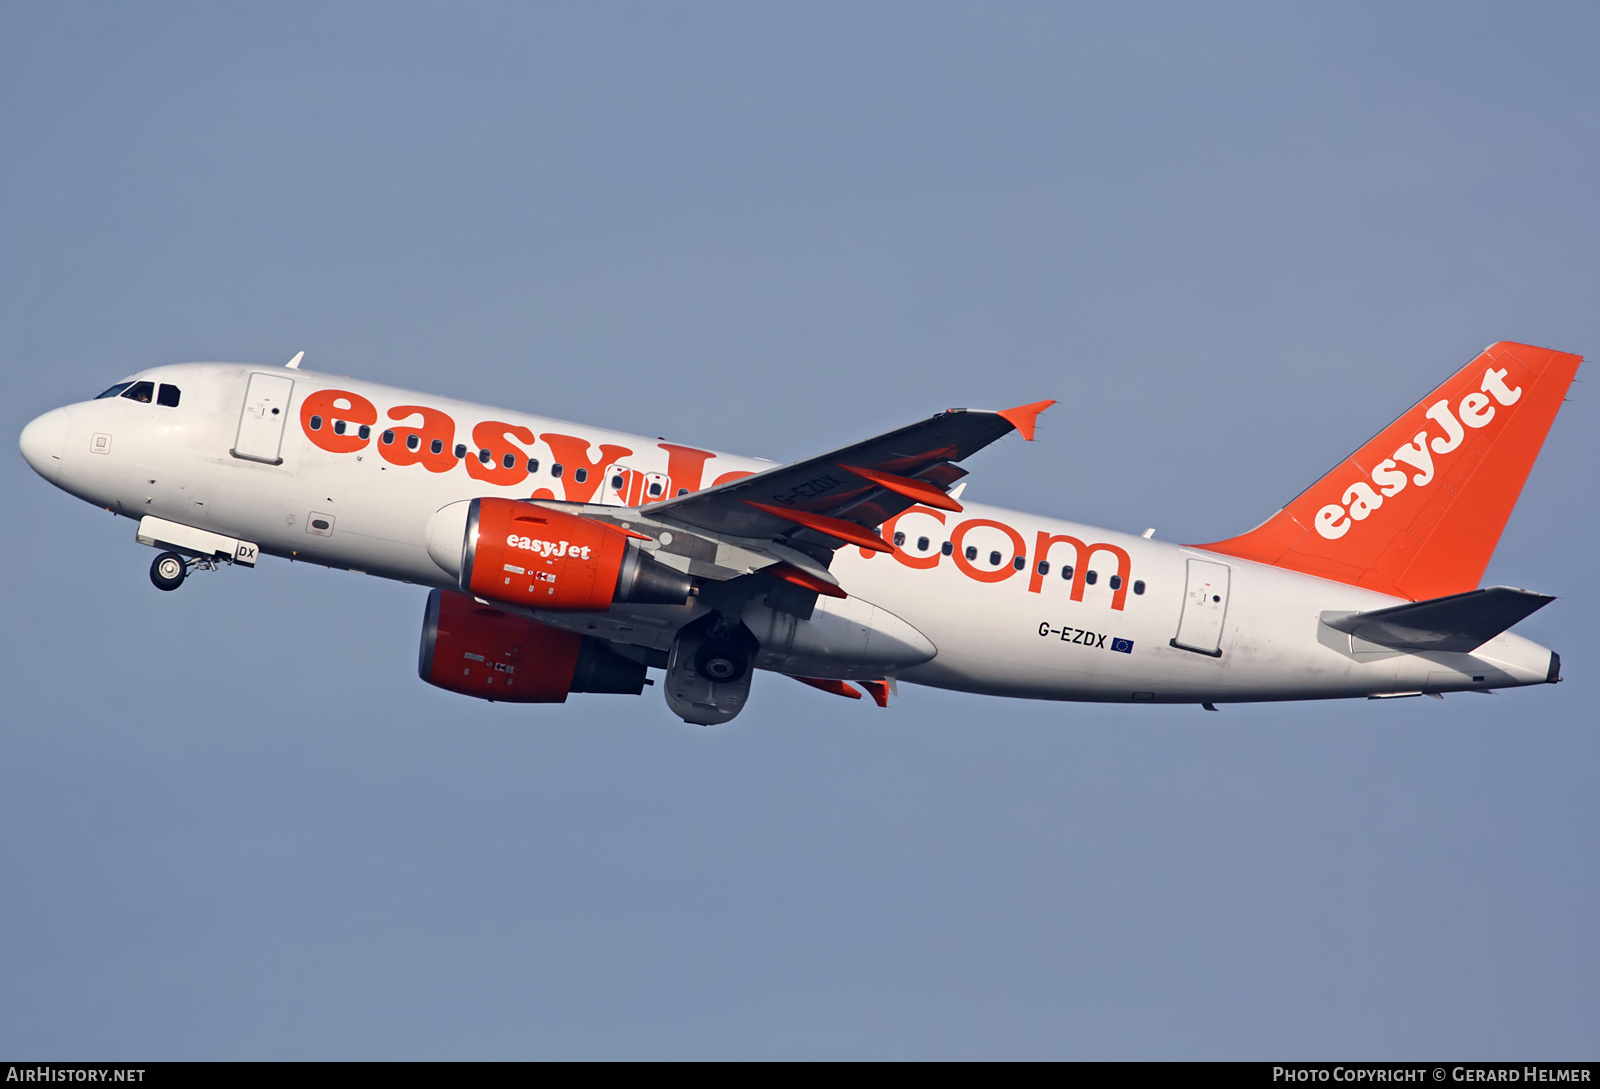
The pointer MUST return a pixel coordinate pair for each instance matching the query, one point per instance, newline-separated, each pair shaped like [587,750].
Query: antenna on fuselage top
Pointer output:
[294,364]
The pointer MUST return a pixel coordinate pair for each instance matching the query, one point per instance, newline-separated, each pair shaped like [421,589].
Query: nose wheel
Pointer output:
[168,571]
[171,568]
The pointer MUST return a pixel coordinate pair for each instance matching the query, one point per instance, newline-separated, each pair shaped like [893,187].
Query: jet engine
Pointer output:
[479,650]
[540,558]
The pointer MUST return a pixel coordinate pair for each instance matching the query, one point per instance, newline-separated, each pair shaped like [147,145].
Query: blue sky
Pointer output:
[1233,240]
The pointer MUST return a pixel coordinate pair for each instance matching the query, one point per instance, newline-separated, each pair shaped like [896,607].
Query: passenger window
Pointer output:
[1044,567]
[483,457]
[437,446]
[994,558]
[461,449]
[922,544]
[414,442]
[555,470]
[1019,563]
[580,475]
[899,539]
[316,423]
[1066,572]
[533,465]
[1138,586]
[113,391]
[1116,582]
[143,392]
[972,553]
[616,482]
[387,438]
[338,427]
[1090,577]
[364,431]
[168,395]
[655,488]
[509,461]
[947,548]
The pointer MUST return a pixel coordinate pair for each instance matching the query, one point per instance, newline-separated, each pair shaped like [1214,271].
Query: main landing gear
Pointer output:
[722,661]
[709,668]
[170,569]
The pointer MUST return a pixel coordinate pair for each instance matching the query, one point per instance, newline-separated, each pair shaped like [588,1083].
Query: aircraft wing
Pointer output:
[842,496]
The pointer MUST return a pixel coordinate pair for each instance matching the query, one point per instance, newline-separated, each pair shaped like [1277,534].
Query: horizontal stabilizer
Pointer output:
[1459,622]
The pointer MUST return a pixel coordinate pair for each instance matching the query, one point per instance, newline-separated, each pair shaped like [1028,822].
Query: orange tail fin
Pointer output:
[1417,511]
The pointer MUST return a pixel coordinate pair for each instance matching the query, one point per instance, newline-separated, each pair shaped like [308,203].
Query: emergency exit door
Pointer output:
[266,410]
[1205,603]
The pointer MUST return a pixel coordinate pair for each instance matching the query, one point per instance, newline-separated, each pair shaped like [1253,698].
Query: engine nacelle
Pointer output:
[479,650]
[540,558]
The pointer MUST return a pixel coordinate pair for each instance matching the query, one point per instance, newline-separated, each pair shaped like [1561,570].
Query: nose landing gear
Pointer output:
[170,569]
[208,549]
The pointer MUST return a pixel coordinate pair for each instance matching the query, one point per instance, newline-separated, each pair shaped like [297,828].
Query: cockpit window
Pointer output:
[113,391]
[168,396]
[143,392]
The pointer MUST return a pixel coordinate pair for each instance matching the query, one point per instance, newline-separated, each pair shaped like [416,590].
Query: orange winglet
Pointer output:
[822,523]
[1024,417]
[911,488]
[838,688]
[788,572]
[878,690]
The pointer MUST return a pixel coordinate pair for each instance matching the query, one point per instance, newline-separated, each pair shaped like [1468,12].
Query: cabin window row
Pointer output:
[363,432]
[414,442]
[995,559]
[509,461]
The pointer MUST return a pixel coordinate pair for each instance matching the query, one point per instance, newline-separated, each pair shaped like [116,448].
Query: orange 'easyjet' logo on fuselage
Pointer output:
[342,422]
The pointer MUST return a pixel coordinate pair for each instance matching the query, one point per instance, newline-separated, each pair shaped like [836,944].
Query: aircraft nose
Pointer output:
[43,441]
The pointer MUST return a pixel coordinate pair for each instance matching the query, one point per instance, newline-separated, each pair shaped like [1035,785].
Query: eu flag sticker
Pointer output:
[1123,645]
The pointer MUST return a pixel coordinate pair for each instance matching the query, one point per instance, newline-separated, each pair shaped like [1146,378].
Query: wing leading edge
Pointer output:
[841,496]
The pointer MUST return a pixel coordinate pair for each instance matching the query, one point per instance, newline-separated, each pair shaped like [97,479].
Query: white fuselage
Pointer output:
[1109,632]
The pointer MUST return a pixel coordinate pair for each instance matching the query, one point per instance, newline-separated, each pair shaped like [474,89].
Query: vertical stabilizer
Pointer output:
[1418,510]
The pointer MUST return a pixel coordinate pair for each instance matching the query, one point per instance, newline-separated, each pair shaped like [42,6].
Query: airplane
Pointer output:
[569,559]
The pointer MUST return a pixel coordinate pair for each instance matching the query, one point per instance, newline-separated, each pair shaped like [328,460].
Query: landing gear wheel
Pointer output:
[721,663]
[169,570]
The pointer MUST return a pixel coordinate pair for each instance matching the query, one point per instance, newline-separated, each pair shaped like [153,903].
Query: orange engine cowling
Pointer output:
[479,650]
[540,558]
